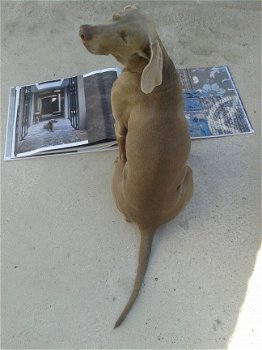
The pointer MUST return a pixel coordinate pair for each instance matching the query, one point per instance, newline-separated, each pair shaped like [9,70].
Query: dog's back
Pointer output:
[157,147]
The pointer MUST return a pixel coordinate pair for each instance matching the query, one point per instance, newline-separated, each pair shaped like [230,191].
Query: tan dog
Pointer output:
[151,182]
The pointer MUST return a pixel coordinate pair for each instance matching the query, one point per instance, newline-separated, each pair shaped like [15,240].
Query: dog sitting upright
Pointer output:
[151,182]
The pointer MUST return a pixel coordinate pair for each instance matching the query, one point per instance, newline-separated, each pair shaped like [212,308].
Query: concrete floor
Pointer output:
[69,258]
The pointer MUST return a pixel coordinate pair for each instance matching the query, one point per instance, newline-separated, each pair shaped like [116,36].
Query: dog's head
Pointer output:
[132,39]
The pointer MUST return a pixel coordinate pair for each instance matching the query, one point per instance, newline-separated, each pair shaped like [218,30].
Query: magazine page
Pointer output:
[213,107]
[60,114]
[101,147]
[74,114]
[10,123]
[77,149]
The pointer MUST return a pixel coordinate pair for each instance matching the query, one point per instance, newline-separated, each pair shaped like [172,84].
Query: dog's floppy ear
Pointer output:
[152,73]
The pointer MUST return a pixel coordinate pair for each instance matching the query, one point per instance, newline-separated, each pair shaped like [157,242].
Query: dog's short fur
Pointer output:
[151,182]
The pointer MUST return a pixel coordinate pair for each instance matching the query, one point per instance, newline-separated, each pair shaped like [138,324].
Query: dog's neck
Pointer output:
[136,64]
[170,78]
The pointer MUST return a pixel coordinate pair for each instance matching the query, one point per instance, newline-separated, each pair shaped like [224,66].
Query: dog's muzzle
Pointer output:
[86,32]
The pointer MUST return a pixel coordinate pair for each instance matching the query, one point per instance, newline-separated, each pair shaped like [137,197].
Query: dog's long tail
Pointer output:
[144,253]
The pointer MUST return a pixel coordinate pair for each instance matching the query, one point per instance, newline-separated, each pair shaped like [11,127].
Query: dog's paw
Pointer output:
[123,158]
[120,159]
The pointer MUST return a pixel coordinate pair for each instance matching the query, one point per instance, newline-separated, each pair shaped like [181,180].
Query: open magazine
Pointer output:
[71,115]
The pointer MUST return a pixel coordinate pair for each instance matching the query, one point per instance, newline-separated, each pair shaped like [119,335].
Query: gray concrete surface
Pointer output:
[68,257]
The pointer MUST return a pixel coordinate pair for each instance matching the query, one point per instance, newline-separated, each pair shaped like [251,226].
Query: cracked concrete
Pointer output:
[68,256]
